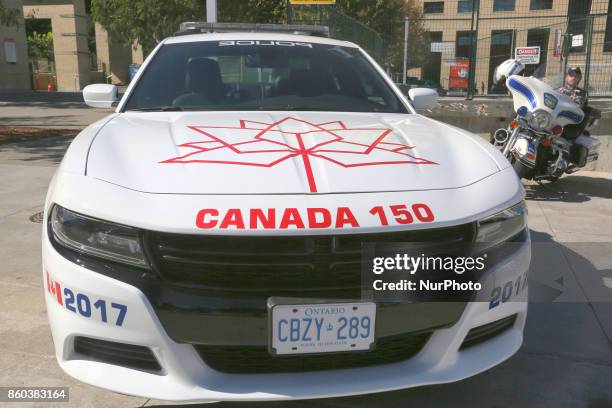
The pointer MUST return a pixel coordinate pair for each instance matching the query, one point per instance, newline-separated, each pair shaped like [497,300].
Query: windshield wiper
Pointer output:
[158,109]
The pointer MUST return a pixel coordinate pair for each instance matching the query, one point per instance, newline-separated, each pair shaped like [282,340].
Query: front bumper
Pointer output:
[185,377]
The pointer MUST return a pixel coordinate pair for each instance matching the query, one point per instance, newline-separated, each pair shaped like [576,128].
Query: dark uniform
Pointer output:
[578,153]
[579,96]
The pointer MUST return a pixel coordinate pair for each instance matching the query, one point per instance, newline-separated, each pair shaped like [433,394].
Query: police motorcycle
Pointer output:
[533,141]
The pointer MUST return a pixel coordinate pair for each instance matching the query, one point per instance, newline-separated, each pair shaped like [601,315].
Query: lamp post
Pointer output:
[406,26]
[211,11]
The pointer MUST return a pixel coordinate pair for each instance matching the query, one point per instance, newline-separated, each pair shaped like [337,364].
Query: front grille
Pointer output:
[121,354]
[308,265]
[487,331]
[248,360]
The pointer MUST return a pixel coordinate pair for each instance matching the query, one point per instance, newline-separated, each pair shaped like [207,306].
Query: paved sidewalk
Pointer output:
[75,115]
[481,116]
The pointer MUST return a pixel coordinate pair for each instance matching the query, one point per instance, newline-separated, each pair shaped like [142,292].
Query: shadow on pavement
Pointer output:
[38,148]
[48,121]
[45,104]
[571,189]
[40,96]
[45,99]
[565,361]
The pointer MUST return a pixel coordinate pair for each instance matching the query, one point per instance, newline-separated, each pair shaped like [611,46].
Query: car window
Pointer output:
[262,75]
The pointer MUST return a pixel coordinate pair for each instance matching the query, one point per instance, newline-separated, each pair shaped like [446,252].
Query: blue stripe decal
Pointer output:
[571,116]
[513,83]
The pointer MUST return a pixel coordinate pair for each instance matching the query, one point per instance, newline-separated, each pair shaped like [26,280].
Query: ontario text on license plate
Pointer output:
[322,328]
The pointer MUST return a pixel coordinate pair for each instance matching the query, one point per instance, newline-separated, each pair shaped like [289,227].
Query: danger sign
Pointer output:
[527,55]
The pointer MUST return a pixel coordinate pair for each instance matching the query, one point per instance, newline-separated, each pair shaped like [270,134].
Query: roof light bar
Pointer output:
[198,27]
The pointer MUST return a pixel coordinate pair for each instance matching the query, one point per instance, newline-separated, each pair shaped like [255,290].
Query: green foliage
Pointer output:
[149,21]
[387,18]
[252,11]
[145,21]
[40,45]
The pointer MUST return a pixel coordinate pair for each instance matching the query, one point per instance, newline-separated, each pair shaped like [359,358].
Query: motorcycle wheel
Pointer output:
[522,171]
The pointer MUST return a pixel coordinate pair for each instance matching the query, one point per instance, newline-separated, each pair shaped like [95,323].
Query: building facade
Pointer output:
[471,37]
[76,60]
[14,54]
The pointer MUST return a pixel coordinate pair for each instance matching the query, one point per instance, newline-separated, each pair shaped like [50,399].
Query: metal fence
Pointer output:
[343,27]
[467,39]
[347,28]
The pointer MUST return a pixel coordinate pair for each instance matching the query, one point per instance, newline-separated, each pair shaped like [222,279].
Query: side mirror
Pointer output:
[423,98]
[100,95]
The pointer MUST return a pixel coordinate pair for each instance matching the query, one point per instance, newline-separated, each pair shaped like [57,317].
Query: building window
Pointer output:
[608,38]
[540,4]
[431,7]
[431,68]
[578,20]
[503,5]
[538,37]
[463,46]
[465,6]
[502,38]
[501,50]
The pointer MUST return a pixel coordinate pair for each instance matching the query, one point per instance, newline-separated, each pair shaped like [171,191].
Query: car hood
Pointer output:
[284,153]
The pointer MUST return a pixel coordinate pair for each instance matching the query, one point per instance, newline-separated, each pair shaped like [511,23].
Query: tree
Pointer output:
[149,21]
[145,21]
[252,11]
[387,18]
[418,36]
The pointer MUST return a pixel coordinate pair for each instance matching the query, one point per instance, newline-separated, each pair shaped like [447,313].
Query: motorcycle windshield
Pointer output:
[542,94]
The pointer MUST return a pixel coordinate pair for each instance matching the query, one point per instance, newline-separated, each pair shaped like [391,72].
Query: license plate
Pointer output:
[322,328]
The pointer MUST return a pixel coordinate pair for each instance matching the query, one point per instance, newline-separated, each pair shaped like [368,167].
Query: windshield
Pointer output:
[262,75]
[555,81]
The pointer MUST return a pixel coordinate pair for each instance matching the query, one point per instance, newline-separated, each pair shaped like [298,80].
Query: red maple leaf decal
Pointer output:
[268,144]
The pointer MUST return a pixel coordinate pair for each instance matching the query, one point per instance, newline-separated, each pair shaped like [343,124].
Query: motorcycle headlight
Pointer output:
[540,120]
[97,238]
[501,227]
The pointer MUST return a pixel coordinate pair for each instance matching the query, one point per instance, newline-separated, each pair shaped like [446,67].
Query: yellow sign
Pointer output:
[312,1]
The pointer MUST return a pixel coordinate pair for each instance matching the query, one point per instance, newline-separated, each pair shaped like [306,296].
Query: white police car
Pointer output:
[204,241]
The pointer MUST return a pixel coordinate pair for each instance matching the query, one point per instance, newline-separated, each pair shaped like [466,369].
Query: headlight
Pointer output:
[502,226]
[540,120]
[98,238]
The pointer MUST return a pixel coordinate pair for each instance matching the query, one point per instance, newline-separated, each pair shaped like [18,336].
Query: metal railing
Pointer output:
[343,27]
[467,39]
